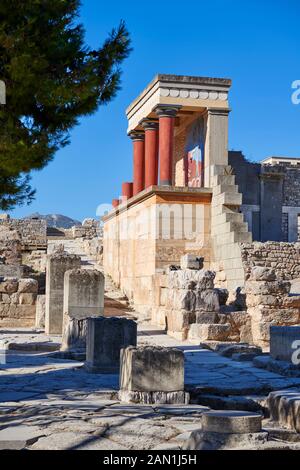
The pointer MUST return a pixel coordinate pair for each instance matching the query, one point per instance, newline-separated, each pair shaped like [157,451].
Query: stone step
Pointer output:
[227,227]
[227,217]
[233,237]
[223,179]
[284,407]
[208,331]
[225,188]
[229,199]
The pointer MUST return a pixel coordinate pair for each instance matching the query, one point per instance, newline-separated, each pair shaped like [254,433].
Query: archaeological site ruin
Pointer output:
[173,323]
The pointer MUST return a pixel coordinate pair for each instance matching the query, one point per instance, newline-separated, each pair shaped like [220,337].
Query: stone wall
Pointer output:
[17,302]
[30,232]
[283,257]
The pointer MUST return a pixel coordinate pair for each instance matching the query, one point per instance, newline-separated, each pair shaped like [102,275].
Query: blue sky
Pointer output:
[256,43]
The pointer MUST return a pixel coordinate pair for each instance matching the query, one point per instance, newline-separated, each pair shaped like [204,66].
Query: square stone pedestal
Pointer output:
[104,341]
[152,375]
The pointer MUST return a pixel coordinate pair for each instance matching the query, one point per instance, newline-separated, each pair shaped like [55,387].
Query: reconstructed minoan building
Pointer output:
[190,195]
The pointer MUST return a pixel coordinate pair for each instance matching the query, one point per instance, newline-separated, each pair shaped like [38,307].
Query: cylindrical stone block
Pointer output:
[231,422]
[105,339]
[151,153]
[127,190]
[138,162]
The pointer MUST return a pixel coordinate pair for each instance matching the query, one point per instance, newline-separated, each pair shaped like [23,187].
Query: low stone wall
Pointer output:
[29,231]
[283,257]
[18,302]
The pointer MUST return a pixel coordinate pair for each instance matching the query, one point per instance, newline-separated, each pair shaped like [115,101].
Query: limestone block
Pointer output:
[205,332]
[57,265]
[28,285]
[104,341]
[191,279]
[83,293]
[282,340]
[40,311]
[152,369]
[267,287]
[207,300]
[231,422]
[179,320]
[27,299]
[8,285]
[254,300]
[207,317]
[261,273]
[190,261]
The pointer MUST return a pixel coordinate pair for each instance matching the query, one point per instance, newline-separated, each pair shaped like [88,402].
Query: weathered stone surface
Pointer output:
[231,422]
[284,343]
[191,279]
[83,292]
[200,440]
[263,318]
[203,332]
[284,407]
[28,286]
[207,300]
[261,273]
[18,437]
[179,320]
[40,311]
[170,398]
[267,287]
[190,261]
[152,369]
[27,299]
[206,317]
[57,265]
[231,349]
[83,298]
[105,339]
[8,285]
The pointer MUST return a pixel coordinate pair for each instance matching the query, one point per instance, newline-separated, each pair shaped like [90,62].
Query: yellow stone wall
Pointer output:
[152,234]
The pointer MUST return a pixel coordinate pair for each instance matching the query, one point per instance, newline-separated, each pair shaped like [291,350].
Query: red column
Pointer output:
[127,190]
[151,152]
[166,142]
[115,203]
[138,161]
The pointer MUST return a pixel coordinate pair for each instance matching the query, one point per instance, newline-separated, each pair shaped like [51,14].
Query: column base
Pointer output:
[163,398]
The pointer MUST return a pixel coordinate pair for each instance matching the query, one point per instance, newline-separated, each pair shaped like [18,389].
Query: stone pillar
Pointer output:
[105,339]
[83,298]
[127,190]
[40,311]
[216,142]
[152,375]
[57,265]
[166,142]
[151,153]
[138,161]
[115,203]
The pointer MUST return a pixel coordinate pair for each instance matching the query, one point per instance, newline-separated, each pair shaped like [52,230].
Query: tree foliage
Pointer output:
[52,78]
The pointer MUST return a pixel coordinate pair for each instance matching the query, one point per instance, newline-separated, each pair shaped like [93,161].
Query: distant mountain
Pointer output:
[55,220]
